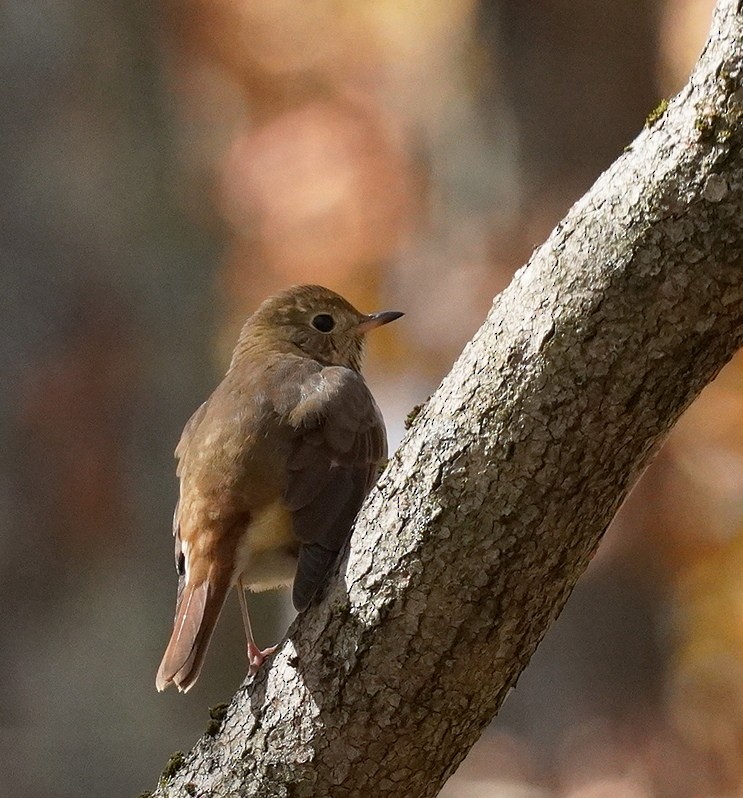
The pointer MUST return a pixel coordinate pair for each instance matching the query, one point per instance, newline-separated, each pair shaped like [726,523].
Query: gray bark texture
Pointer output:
[499,495]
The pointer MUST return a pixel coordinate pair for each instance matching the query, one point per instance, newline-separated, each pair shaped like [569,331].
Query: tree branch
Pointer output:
[499,495]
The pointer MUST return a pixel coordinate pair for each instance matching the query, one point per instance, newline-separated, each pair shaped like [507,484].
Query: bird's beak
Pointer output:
[374,320]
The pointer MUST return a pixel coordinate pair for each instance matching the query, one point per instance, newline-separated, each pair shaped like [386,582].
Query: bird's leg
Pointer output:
[256,657]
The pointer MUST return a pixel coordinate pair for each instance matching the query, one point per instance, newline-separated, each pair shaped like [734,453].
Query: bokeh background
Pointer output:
[164,167]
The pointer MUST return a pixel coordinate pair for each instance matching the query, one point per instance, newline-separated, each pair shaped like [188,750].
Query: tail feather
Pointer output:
[198,609]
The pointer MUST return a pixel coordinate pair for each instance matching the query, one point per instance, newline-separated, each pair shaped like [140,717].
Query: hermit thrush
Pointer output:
[273,467]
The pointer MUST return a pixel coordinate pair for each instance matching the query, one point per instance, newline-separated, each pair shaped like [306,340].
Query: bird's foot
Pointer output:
[256,657]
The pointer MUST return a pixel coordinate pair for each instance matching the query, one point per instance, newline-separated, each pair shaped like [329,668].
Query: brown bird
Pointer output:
[273,467]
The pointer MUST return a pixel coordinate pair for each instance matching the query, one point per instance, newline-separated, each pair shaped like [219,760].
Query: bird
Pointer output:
[273,468]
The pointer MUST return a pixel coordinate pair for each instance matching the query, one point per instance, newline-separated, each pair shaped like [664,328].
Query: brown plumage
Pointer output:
[273,467]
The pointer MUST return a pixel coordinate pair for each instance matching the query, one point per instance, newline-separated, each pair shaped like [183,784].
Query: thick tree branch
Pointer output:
[500,493]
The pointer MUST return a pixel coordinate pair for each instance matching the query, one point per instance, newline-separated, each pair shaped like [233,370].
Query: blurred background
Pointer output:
[164,167]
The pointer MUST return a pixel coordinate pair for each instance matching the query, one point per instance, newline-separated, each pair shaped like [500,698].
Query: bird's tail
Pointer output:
[198,609]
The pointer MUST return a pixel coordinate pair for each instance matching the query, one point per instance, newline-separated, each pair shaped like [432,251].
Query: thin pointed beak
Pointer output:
[374,320]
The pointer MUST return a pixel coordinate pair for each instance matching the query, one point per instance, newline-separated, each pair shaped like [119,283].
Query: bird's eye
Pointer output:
[323,322]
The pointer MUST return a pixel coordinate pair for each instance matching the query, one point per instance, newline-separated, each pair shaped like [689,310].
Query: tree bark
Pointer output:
[501,491]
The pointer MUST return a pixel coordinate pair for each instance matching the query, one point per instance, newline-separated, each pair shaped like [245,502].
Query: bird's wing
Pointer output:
[187,435]
[338,441]
[180,453]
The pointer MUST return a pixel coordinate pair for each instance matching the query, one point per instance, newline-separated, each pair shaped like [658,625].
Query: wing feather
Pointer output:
[339,440]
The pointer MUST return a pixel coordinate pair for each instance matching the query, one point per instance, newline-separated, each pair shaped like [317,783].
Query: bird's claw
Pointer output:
[256,657]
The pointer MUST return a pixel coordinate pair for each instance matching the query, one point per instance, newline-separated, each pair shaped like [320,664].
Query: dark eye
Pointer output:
[323,322]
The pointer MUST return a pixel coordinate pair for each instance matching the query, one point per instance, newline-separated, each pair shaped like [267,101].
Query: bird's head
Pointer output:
[315,322]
